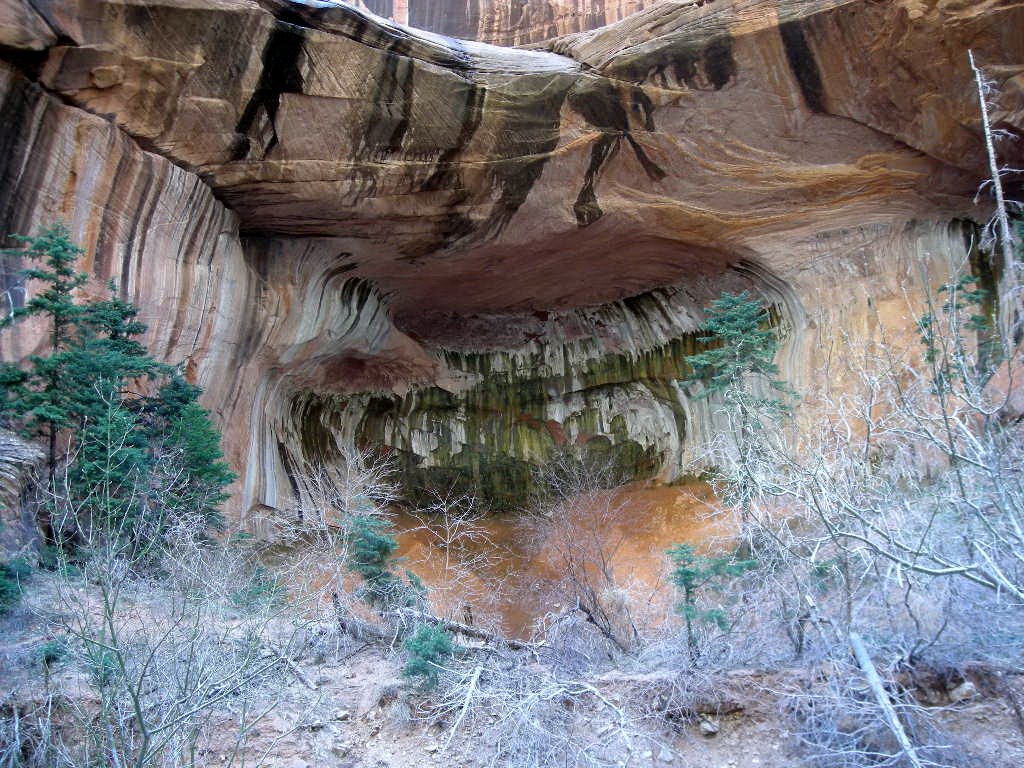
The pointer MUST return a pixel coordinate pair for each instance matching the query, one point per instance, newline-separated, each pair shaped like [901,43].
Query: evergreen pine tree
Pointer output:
[174,395]
[181,429]
[40,394]
[195,440]
[737,323]
[106,481]
[106,354]
[83,386]
[743,361]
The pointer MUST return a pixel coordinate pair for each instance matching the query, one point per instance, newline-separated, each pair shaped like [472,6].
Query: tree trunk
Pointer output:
[882,697]
[1009,300]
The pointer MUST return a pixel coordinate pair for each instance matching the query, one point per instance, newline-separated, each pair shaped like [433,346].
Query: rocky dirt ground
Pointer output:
[354,720]
[348,707]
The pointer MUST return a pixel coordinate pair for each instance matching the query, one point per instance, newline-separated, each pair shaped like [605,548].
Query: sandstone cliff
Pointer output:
[503,22]
[348,229]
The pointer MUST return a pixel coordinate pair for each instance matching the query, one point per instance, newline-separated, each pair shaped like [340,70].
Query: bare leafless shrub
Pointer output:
[579,524]
[160,654]
[26,734]
[570,642]
[460,550]
[535,715]
[362,483]
[313,540]
[166,631]
[838,721]
[904,477]
[890,506]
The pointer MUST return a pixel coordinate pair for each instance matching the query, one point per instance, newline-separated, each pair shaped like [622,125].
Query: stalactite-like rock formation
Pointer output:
[350,230]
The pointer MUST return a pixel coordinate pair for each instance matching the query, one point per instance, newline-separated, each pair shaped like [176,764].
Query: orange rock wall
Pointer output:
[310,203]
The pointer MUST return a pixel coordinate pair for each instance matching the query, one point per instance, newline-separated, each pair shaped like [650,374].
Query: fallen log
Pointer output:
[465,629]
[357,628]
[408,618]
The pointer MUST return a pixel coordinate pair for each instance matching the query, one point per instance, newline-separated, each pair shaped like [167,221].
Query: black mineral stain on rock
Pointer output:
[18,104]
[597,16]
[137,233]
[526,131]
[803,64]
[525,123]
[652,169]
[16,142]
[137,16]
[719,65]
[597,101]
[528,138]
[715,59]
[601,103]
[472,113]
[392,107]
[586,208]
[281,73]
[456,224]
[702,67]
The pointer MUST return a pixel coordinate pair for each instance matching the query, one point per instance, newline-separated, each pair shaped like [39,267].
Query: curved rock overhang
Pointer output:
[354,230]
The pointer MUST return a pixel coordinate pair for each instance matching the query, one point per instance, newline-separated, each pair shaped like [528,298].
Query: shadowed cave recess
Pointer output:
[605,381]
[467,255]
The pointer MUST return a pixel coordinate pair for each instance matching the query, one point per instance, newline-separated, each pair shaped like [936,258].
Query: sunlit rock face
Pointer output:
[504,22]
[353,231]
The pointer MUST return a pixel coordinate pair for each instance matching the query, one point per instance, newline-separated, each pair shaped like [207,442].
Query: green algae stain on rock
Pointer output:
[491,439]
[605,381]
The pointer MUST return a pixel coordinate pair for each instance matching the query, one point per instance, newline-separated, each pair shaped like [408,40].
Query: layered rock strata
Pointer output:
[350,230]
[21,465]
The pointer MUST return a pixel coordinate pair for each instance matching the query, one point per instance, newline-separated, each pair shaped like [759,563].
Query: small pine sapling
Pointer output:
[693,573]
[428,648]
[372,548]
[371,552]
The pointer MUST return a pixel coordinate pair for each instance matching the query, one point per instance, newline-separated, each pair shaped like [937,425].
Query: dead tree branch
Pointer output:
[1010,310]
[878,689]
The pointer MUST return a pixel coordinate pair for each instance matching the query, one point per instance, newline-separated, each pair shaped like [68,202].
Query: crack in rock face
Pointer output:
[355,229]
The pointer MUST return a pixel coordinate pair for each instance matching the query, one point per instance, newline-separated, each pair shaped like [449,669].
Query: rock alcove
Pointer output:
[352,230]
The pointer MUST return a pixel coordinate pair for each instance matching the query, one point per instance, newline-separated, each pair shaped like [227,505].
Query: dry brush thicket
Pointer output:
[892,511]
[884,520]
